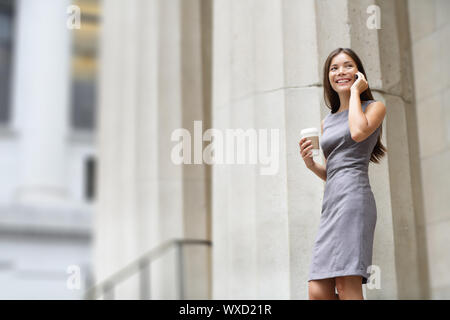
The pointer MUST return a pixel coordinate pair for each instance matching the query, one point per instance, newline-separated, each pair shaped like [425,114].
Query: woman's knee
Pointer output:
[349,286]
[321,289]
[314,292]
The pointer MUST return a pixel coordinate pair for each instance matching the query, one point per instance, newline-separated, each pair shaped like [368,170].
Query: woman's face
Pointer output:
[342,69]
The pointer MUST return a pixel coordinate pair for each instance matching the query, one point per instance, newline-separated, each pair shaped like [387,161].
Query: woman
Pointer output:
[351,138]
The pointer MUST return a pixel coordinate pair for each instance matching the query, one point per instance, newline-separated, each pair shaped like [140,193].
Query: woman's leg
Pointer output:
[323,289]
[349,287]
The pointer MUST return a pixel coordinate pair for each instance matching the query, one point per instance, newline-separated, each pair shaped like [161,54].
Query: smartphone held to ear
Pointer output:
[356,77]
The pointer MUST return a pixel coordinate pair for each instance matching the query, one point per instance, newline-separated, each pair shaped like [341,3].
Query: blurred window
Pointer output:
[84,66]
[89,189]
[6,35]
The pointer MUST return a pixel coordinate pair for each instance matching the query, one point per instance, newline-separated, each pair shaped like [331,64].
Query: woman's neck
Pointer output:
[344,99]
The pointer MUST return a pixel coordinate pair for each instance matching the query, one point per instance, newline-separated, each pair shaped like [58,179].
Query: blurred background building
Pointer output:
[86,121]
[47,145]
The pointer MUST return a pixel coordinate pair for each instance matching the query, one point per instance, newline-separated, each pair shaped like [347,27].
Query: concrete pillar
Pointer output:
[430,31]
[195,25]
[304,96]
[151,85]
[250,222]
[309,31]
[116,206]
[403,268]
[41,100]
[126,213]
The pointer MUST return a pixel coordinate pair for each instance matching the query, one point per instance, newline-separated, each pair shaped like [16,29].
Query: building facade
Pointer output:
[47,147]
[250,65]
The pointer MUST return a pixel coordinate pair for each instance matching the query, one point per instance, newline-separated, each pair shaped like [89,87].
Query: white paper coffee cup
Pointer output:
[313,135]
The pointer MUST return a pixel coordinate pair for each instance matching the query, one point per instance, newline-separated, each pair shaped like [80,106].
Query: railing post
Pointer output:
[108,291]
[180,269]
[144,279]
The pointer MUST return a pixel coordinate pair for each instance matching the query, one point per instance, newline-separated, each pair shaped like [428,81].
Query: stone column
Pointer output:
[41,99]
[394,181]
[401,138]
[116,246]
[430,30]
[151,85]
[247,73]
[195,25]
[127,208]
[304,109]
[250,221]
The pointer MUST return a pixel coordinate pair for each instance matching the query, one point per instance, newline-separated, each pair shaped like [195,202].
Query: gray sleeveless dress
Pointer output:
[344,241]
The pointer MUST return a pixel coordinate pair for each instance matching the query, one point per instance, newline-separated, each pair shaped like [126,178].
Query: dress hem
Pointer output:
[342,273]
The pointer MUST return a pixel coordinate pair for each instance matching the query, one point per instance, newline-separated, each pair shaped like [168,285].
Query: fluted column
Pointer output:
[248,74]
[41,100]
[304,109]
[250,219]
[151,85]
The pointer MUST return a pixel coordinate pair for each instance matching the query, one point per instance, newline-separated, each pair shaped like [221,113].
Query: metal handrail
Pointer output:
[139,265]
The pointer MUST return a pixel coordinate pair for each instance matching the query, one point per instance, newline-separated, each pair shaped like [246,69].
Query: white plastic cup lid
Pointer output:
[309,132]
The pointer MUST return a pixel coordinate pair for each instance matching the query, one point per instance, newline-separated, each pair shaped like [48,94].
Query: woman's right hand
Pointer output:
[306,153]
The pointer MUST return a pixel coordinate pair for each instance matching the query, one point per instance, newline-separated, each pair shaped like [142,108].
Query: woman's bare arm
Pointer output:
[319,170]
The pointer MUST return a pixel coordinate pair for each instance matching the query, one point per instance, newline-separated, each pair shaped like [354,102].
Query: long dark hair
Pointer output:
[332,101]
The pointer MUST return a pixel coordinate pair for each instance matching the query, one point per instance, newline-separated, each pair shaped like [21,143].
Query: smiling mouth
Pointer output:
[343,81]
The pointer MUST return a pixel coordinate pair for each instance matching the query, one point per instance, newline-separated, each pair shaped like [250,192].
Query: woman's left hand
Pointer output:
[360,85]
